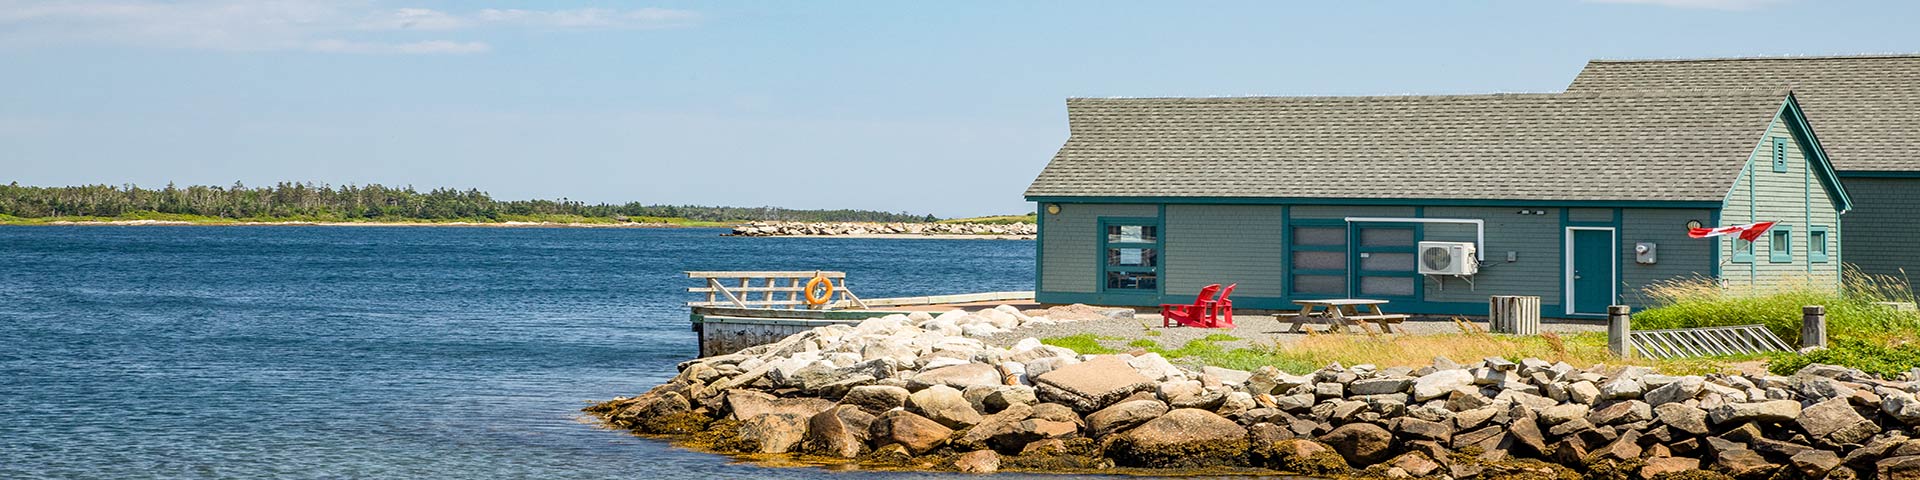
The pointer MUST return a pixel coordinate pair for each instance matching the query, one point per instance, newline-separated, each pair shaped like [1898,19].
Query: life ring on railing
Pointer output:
[817,282]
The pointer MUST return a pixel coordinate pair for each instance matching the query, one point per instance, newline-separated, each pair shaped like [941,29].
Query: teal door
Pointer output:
[1592,275]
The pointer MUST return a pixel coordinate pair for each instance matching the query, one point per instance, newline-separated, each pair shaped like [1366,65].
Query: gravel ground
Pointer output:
[1249,328]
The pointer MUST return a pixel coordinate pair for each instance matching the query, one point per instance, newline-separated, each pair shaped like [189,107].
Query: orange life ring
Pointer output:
[817,281]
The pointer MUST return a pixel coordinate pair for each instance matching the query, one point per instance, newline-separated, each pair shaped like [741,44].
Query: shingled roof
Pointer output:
[1537,147]
[1865,108]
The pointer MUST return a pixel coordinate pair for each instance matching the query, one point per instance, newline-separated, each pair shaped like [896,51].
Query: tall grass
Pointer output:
[1851,309]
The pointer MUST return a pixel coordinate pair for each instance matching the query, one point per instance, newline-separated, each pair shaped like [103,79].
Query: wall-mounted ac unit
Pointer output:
[1448,258]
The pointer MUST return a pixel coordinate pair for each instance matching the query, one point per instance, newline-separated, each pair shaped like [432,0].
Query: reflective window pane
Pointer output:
[1387,286]
[1133,281]
[1386,237]
[1132,257]
[1319,260]
[1320,284]
[1387,262]
[1132,234]
[1331,236]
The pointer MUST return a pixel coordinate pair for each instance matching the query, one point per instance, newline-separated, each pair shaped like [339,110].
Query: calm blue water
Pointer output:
[364,352]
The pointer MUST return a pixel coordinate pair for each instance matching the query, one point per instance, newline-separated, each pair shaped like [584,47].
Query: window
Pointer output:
[1742,251]
[1780,244]
[1817,244]
[1319,264]
[1132,249]
[1779,154]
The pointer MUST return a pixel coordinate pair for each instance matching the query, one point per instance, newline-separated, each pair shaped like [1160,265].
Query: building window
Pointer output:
[1780,244]
[1742,250]
[1817,244]
[1318,267]
[1779,154]
[1132,249]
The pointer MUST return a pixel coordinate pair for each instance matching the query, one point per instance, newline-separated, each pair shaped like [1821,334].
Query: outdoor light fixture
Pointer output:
[1693,224]
[1053,209]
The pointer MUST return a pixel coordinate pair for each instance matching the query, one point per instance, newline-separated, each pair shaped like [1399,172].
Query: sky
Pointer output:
[946,108]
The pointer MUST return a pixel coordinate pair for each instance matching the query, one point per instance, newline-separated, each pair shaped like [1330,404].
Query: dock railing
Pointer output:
[771,289]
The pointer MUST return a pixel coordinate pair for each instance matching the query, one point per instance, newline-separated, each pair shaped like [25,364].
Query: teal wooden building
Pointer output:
[1580,199]
[1867,108]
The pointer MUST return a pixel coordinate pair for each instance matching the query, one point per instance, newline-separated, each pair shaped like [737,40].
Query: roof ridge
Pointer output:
[1642,93]
[1852,56]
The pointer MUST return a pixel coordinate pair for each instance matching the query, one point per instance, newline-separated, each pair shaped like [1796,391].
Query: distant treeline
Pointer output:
[306,200]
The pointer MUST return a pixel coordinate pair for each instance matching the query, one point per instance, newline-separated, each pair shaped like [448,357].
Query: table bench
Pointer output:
[1339,313]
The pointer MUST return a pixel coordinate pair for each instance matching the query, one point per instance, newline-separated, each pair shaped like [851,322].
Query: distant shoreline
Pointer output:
[185,223]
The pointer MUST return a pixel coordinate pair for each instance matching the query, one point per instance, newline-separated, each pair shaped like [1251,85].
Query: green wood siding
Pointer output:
[1225,244]
[1882,227]
[1343,211]
[1792,196]
[1677,256]
[1590,215]
[1069,250]
[1535,241]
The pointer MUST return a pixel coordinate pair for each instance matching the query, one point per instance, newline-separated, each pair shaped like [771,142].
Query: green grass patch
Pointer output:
[1085,343]
[1875,357]
[1868,336]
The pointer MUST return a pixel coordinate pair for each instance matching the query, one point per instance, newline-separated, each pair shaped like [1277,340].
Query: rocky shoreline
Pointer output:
[919,392]
[859,229]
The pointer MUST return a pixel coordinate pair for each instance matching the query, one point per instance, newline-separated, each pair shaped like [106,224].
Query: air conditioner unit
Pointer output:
[1448,258]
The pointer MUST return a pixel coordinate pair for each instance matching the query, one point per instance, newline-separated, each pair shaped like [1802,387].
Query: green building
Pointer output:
[1867,108]
[1431,202]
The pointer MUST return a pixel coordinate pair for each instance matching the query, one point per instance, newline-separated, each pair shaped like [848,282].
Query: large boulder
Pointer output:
[1621,412]
[1771,411]
[746,404]
[841,431]
[916,433]
[1300,456]
[773,432]
[1184,438]
[957,376]
[1680,390]
[1682,418]
[943,404]
[1834,423]
[978,461]
[875,399]
[1440,384]
[1091,385]
[1124,415]
[1360,443]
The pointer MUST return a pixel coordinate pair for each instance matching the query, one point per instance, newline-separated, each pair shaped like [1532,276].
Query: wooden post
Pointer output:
[1619,331]
[1511,314]
[1813,326]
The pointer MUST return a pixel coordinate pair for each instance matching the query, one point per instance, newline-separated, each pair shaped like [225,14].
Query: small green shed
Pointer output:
[1580,199]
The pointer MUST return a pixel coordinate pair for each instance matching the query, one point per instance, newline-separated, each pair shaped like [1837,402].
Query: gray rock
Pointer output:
[1294,403]
[943,404]
[1360,443]
[1815,463]
[1377,386]
[773,432]
[958,376]
[1440,383]
[1682,418]
[875,399]
[841,431]
[1559,414]
[978,461]
[1771,411]
[1227,375]
[1900,405]
[1202,438]
[1622,412]
[1010,395]
[1583,392]
[1418,429]
[1092,385]
[1683,389]
[1621,388]
[1124,415]
[1329,390]
[1834,423]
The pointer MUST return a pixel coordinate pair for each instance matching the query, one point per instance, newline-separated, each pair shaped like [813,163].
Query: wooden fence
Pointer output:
[770,289]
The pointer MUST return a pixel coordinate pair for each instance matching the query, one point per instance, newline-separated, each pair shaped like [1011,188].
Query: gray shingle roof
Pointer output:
[1631,146]
[1864,108]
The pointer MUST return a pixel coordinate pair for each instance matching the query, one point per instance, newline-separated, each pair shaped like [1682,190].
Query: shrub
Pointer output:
[1876,357]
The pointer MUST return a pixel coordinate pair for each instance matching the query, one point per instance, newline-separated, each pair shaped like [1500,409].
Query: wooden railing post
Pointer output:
[1619,331]
[1813,326]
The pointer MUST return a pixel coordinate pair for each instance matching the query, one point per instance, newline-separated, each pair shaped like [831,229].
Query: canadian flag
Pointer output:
[1748,232]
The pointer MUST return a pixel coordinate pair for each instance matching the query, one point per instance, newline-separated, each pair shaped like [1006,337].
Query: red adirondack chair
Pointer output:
[1194,315]
[1220,312]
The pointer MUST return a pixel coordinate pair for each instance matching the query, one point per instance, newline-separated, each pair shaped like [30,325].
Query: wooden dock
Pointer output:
[744,309]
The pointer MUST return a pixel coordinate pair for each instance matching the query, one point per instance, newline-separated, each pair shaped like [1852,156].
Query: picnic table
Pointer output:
[1339,313]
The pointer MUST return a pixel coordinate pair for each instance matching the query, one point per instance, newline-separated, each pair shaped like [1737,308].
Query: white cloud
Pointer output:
[351,26]
[1700,4]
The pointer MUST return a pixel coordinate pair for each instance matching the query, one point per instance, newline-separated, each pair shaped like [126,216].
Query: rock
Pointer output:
[998,424]
[1624,448]
[1227,375]
[1056,412]
[1360,443]
[1124,415]
[1007,396]
[1682,418]
[1417,429]
[1415,464]
[747,404]
[1301,456]
[875,399]
[957,376]
[1683,389]
[1898,468]
[1092,385]
[840,431]
[1526,432]
[1154,367]
[1771,411]
[1471,419]
[1664,465]
[1900,405]
[1583,392]
[1815,463]
[1620,389]
[1294,403]
[900,427]
[943,404]
[1329,390]
[1834,423]
[1743,463]
[1184,438]
[1377,386]
[1559,414]
[1440,383]
[1621,412]
[773,432]
[978,461]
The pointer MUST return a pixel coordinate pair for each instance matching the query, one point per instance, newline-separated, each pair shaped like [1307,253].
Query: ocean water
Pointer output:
[369,352]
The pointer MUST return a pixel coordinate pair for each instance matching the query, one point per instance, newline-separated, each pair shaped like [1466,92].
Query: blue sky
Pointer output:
[944,108]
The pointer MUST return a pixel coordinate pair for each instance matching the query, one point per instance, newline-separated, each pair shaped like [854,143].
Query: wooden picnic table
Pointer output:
[1338,313]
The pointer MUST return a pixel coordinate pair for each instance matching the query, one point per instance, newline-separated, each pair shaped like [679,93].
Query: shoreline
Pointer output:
[923,236]
[184,223]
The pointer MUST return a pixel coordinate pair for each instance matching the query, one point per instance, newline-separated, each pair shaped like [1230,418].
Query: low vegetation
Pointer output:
[1863,332]
[994,220]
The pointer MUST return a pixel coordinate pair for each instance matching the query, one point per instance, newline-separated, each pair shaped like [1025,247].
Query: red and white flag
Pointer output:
[1748,232]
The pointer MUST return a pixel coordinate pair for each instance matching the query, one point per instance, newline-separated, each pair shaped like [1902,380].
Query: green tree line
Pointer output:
[308,200]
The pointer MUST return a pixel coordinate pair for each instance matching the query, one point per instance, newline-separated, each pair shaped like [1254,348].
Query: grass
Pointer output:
[1862,335]
[207,220]
[994,220]
[1316,351]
